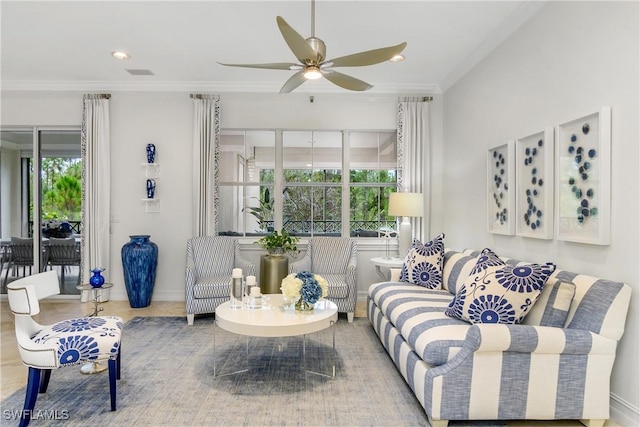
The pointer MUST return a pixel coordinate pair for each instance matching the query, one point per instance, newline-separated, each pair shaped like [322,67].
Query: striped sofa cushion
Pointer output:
[553,304]
[598,305]
[418,313]
[456,269]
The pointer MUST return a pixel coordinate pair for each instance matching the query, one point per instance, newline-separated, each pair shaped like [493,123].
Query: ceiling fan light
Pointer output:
[120,54]
[312,73]
[397,58]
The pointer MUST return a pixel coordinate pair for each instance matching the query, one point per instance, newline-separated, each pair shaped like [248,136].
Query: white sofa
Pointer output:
[460,371]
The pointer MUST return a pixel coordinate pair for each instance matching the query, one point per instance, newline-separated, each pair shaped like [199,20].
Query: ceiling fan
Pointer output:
[311,53]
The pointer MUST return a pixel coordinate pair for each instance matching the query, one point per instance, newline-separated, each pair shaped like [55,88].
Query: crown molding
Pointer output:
[205,86]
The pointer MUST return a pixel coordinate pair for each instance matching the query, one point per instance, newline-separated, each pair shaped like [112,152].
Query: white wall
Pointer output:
[165,118]
[567,61]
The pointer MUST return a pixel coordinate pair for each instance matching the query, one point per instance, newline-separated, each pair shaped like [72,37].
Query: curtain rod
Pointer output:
[99,95]
[203,96]
[416,99]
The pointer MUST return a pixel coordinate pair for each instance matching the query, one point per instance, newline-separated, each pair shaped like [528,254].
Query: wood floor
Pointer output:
[14,373]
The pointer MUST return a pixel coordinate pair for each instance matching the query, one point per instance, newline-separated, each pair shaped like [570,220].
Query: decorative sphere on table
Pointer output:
[139,262]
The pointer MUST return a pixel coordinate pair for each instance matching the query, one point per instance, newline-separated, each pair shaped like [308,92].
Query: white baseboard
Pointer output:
[121,295]
[623,412]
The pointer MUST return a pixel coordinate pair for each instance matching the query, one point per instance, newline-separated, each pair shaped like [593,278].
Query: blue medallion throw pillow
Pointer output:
[496,292]
[423,264]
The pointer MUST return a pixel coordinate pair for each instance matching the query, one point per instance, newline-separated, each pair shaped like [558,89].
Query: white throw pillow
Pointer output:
[423,264]
[496,292]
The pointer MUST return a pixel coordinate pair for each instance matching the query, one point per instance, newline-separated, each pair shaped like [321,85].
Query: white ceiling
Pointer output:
[66,45]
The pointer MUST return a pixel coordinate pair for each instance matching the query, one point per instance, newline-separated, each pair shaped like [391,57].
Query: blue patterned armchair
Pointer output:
[210,261]
[335,259]
[66,343]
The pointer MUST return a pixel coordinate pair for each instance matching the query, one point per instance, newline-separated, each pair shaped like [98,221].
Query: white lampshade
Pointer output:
[405,205]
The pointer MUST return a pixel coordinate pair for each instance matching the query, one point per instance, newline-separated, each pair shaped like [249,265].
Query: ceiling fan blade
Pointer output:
[271,66]
[368,57]
[346,82]
[294,81]
[298,45]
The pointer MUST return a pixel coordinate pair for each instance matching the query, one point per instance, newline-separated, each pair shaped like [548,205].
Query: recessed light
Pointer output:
[397,58]
[120,54]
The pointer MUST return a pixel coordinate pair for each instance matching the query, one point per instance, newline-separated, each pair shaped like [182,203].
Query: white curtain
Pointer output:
[414,157]
[206,140]
[96,190]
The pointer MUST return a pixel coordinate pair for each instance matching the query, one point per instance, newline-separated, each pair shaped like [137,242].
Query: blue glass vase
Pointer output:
[139,262]
[151,188]
[151,153]
[97,280]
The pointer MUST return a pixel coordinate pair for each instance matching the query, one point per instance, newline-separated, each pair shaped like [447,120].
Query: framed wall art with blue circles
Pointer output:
[583,185]
[534,182]
[501,189]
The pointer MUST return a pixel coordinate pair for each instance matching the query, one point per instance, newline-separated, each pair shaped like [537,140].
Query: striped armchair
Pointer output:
[210,261]
[335,259]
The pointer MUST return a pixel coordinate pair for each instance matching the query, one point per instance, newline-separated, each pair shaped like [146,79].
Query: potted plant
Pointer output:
[277,244]
[264,211]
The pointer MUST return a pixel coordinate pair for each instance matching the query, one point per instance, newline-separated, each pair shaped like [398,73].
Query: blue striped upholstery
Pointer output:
[460,371]
[335,259]
[210,261]
[552,307]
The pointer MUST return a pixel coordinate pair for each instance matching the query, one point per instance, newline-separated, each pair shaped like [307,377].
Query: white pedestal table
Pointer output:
[276,320]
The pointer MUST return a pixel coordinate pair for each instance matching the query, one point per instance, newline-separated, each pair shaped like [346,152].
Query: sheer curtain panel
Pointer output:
[96,191]
[206,141]
[413,157]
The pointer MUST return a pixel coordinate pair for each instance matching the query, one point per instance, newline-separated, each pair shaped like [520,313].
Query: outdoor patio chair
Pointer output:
[65,253]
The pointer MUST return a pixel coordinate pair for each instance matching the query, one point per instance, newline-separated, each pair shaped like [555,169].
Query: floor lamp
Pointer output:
[405,205]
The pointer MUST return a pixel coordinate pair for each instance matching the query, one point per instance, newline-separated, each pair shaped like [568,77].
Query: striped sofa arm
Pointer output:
[533,372]
[537,339]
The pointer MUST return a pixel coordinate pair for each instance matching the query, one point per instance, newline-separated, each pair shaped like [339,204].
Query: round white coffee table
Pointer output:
[276,320]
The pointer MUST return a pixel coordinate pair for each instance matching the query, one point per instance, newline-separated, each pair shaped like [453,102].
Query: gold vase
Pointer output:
[303,306]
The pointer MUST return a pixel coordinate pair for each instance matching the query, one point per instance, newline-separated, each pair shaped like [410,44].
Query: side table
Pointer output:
[386,263]
[94,292]
[94,367]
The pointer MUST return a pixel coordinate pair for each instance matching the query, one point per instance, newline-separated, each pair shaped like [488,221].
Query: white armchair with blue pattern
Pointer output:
[335,259]
[210,261]
[65,343]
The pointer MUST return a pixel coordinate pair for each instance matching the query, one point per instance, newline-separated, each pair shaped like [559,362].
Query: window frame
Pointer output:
[279,184]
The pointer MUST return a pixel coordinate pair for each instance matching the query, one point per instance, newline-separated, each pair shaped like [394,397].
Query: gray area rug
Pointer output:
[168,379]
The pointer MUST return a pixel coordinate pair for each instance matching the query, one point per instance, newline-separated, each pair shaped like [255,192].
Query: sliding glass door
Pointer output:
[40,204]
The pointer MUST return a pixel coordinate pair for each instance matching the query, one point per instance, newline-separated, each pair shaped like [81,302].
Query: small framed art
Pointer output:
[534,181]
[501,189]
[583,185]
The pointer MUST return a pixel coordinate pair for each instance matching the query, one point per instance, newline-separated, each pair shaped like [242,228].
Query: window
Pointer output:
[372,173]
[49,206]
[312,183]
[246,178]
[297,181]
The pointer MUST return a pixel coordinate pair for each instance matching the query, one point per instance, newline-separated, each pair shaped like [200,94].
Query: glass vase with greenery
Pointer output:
[277,244]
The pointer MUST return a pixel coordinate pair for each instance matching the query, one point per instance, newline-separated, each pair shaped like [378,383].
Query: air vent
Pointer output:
[140,72]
